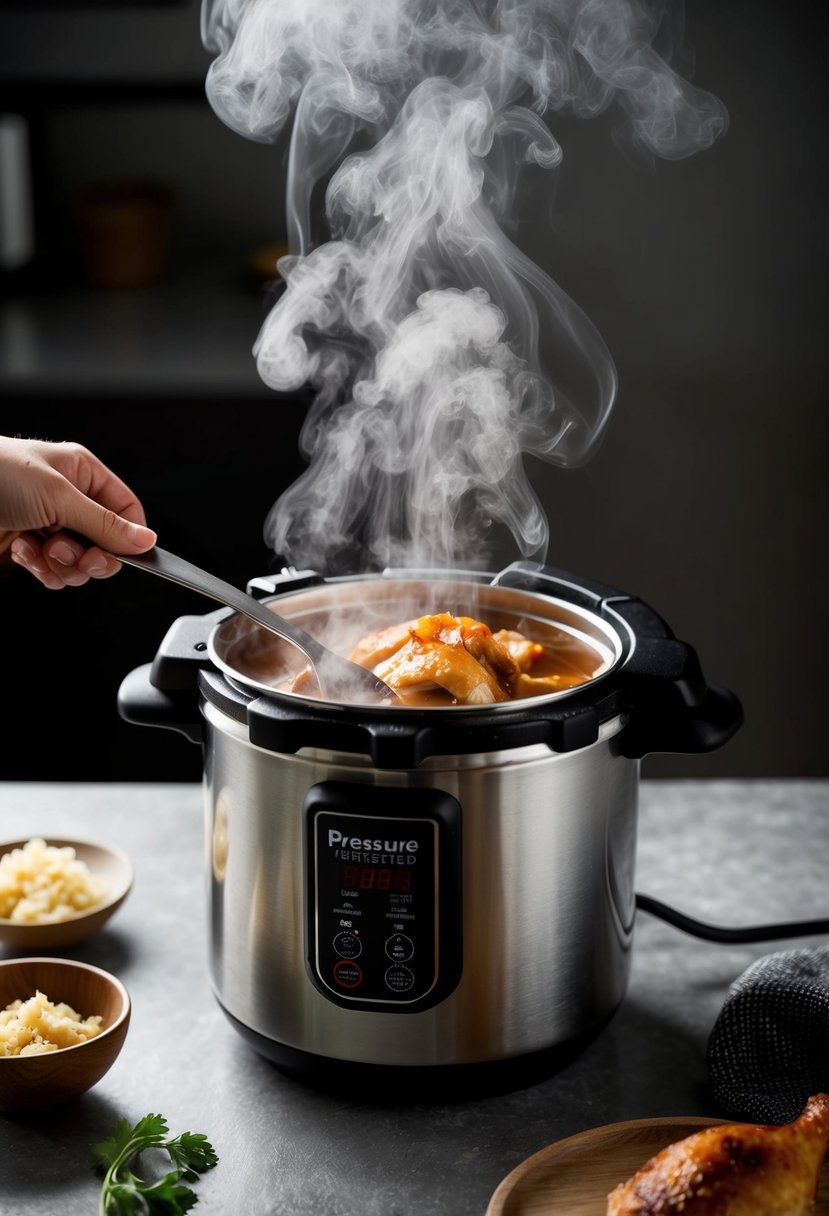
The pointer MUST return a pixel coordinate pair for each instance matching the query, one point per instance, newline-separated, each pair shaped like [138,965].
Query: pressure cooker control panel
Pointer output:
[383,895]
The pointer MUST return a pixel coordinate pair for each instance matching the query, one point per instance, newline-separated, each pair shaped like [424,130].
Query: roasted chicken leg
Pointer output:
[737,1169]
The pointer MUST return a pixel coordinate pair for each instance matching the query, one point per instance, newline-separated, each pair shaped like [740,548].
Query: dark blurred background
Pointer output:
[706,278]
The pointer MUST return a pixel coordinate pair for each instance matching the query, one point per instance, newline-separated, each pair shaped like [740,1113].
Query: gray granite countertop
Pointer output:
[729,852]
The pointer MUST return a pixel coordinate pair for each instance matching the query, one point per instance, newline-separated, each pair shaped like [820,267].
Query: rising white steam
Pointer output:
[439,352]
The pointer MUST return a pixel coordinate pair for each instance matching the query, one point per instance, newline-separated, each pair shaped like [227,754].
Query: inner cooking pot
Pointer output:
[580,645]
[416,889]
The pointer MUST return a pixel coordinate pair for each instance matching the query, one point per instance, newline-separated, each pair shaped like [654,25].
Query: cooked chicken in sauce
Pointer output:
[738,1169]
[456,660]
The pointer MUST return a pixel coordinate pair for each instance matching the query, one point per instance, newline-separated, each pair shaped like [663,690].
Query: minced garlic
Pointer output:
[35,1026]
[42,884]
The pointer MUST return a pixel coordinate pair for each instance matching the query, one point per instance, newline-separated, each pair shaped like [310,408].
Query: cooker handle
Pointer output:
[701,728]
[672,708]
[183,651]
[140,702]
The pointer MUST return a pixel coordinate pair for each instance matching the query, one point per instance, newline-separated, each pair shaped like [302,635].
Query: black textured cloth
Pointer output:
[768,1051]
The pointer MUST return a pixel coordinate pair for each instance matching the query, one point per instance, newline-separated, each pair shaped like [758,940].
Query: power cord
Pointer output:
[715,933]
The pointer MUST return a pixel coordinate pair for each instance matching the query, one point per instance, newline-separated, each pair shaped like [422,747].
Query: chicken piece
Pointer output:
[440,651]
[456,654]
[529,681]
[491,654]
[305,683]
[525,652]
[738,1169]
[376,647]
[537,686]
[421,668]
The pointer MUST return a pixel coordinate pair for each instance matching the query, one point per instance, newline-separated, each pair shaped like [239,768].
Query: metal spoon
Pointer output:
[339,678]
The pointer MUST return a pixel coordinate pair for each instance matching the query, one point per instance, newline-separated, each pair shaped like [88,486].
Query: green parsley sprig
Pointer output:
[123,1193]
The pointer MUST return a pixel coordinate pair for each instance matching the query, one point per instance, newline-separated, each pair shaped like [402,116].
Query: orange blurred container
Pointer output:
[124,228]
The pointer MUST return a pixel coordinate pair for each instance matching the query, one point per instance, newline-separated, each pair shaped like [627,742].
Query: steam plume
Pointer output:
[440,354]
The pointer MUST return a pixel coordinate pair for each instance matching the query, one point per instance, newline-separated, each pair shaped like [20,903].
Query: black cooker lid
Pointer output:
[657,688]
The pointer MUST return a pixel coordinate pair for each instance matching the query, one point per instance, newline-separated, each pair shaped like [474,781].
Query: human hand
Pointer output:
[48,487]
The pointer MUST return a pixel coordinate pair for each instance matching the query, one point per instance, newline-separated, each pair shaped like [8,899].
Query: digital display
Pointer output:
[378,932]
[375,878]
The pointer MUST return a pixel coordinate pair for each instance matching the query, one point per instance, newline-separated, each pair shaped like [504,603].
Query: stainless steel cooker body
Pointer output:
[426,888]
[532,950]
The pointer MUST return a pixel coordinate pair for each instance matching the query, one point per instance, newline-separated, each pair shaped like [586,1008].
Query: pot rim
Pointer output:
[480,598]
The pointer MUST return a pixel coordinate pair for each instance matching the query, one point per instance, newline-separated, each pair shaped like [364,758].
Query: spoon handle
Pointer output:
[177,570]
[335,672]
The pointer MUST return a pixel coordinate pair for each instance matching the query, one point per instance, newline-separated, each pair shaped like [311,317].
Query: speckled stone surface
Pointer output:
[728,852]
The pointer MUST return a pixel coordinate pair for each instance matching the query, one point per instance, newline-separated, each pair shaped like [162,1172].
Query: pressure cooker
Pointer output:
[406,891]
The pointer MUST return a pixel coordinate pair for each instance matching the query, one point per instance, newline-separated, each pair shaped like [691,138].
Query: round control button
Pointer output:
[348,975]
[399,948]
[348,945]
[399,979]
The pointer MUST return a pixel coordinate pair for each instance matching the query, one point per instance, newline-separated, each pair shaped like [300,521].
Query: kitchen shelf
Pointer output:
[191,335]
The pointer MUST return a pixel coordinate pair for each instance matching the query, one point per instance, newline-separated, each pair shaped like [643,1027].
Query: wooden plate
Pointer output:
[573,1177]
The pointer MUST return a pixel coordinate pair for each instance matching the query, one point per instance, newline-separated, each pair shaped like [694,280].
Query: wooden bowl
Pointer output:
[41,1082]
[104,862]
